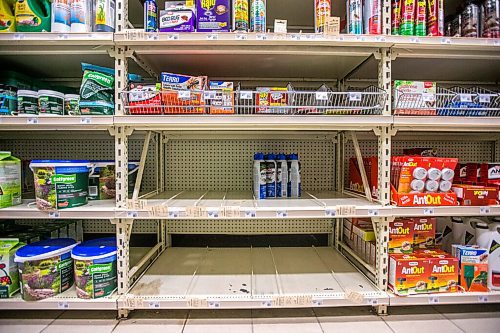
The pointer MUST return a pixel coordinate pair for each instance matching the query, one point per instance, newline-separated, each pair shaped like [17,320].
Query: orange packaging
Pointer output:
[272,100]
[443,274]
[408,274]
[474,276]
[424,232]
[182,94]
[471,195]
[401,233]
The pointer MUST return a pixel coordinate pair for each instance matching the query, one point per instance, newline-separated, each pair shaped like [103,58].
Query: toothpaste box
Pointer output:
[183,93]
[408,274]
[424,232]
[401,233]
[222,102]
[178,16]
[213,15]
[443,274]
[414,97]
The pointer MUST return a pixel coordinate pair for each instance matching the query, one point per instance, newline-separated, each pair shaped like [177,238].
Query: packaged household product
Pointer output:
[33,15]
[61,16]
[435,17]
[60,184]
[241,9]
[81,15]
[473,263]
[414,97]
[372,17]
[371,169]
[177,17]
[354,17]
[408,10]
[401,234]
[258,16]
[213,15]
[97,92]
[272,100]
[10,180]
[222,102]
[104,18]
[27,102]
[424,235]
[102,182]
[483,233]
[322,11]
[72,104]
[8,98]
[9,274]
[144,99]
[50,103]
[470,20]
[150,16]
[395,17]
[490,14]
[421,18]
[95,268]
[259,176]
[7,17]
[282,181]
[270,175]
[294,179]
[408,274]
[494,257]
[443,273]
[183,93]
[476,195]
[45,268]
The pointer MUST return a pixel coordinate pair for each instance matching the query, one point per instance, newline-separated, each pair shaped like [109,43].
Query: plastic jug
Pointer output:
[494,257]
[7,18]
[483,235]
[471,230]
[458,227]
[33,15]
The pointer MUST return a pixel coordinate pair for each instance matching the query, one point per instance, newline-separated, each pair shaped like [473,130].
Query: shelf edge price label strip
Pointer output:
[433,299]
[32,121]
[213,304]
[250,213]
[184,94]
[173,213]
[231,211]
[294,301]
[63,305]
[346,210]
[281,213]
[330,212]
[465,98]
[429,211]
[261,36]
[173,36]
[484,210]
[54,214]
[482,298]
[85,120]
[241,36]
[134,302]
[213,213]
[484,98]
[213,36]
[209,94]
[197,302]
[354,296]
[373,212]
[154,304]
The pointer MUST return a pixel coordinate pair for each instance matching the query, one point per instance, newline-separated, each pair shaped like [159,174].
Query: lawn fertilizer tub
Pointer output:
[60,184]
[95,268]
[102,182]
[45,268]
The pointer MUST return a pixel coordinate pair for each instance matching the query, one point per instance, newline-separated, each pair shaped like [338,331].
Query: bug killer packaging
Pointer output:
[322,10]
[178,16]
[372,21]
[213,15]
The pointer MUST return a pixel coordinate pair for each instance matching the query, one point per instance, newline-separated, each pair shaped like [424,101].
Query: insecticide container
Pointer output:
[10,180]
[50,103]
[9,272]
[494,257]
[470,229]
[322,11]
[95,268]
[458,232]
[81,15]
[61,16]
[71,104]
[354,17]
[240,15]
[33,15]
[27,102]
[282,182]
[8,100]
[259,176]
[150,16]
[60,184]
[294,176]
[7,18]
[270,175]
[104,15]
[45,268]
[483,234]
[258,16]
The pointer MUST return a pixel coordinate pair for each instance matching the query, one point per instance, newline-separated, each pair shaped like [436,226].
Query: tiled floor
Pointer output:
[442,319]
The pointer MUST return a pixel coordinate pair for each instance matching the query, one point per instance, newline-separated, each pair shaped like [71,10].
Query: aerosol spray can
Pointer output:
[258,16]
[470,20]
[435,18]
[421,18]
[491,19]
[150,16]
[322,10]
[408,17]
[396,17]
[240,15]
[354,17]
[372,17]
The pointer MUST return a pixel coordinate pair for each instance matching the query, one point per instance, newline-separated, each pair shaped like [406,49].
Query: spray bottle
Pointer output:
[494,257]
[282,183]
[150,16]
[271,176]
[295,176]
[259,176]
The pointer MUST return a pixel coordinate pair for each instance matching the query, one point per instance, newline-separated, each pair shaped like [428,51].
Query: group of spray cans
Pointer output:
[364,17]
[276,176]
[475,19]
[417,17]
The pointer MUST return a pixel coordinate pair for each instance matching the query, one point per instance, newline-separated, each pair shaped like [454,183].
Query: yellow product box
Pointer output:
[401,236]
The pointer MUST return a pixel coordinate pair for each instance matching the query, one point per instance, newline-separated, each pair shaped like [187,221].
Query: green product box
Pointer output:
[10,180]
[9,274]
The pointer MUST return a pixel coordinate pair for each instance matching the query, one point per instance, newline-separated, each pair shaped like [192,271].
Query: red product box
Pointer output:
[371,169]
[408,274]
[272,100]
[424,232]
[401,234]
[475,195]
[144,99]
[472,172]
[443,274]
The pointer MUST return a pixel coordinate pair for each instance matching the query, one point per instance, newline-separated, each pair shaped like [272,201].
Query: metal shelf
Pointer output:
[99,209]
[448,124]
[55,39]
[445,298]
[55,123]
[446,211]
[251,278]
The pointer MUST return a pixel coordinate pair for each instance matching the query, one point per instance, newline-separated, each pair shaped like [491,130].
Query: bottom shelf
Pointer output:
[445,298]
[251,278]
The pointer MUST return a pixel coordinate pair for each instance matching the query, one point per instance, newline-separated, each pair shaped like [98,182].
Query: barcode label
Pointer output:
[321,95]
[354,96]
[484,98]
[93,191]
[465,98]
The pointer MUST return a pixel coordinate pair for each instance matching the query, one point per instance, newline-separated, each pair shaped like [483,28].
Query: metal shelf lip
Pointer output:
[445,298]
[56,39]
[59,123]
[253,122]
[99,209]
[451,124]
[446,211]
[64,301]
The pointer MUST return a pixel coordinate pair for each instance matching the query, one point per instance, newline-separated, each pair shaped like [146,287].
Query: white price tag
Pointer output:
[433,299]
[380,39]
[373,212]
[414,40]
[154,305]
[54,215]
[346,210]
[317,302]
[354,96]
[484,210]
[231,211]
[184,94]
[213,213]
[372,301]
[484,98]
[250,213]
[360,38]
[496,42]
[62,305]
[266,304]
[213,304]
[62,36]
[445,41]
[261,36]
[465,98]
[85,120]
[213,36]
[152,36]
[245,94]
[209,94]
[280,26]
[330,212]
[134,302]
[321,95]
[429,211]
[173,213]
[18,36]
[482,298]
[426,97]
[281,213]
[241,36]
[32,121]
[173,36]
[132,214]
[295,36]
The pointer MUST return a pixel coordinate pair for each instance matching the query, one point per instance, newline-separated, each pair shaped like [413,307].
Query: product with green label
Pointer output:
[50,102]
[45,268]
[10,180]
[60,183]
[95,268]
[102,183]
[97,92]
[9,275]
[32,15]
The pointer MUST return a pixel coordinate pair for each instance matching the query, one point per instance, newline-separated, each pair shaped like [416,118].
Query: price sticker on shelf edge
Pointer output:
[433,299]
[132,214]
[54,214]
[266,304]
[465,98]
[484,98]
[415,40]
[372,301]
[484,210]
[85,120]
[354,96]
[245,94]
[241,36]
[261,36]
[321,95]
[173,36]
[62,305]
[281,213]
[213,304]
[152,36]
[62,36]
[250,213]
[429,211]
[445,41]
[373,212]
[173,213]
[184,94]
[32,121]
[330,212]
[213,36]
[317,302]
[482,298]
[154,304]
[426,97]
[295,36]
[213,213]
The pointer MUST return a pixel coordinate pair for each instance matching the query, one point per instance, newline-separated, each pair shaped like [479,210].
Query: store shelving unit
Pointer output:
[170,277]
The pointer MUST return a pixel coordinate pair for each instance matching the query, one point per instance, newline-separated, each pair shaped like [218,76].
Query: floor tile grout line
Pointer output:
[57,317]
[387,324]
[442,314]
[317,319]
[186,320]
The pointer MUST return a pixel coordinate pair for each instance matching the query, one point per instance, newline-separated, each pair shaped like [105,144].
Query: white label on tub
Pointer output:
[281,213]
[241,36]
[54,215]
[213,36]
[32,121]
[184,94]
[173,36]
[465,97]
[354,96]
[85,120]
[484,98]
[428,211]
[321,95]
[245,94]
[484,210]
[62,305]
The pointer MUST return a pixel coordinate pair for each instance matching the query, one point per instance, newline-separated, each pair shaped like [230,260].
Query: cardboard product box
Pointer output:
[145,99]
[173,85]
[474,276]
[443,274]
[213,15]
[272,100]
[430,253]
[472,172]
[414,97]
[360,228]
[222,102]
[493,171]
[371,169]
[476,195]
[178,16]
[408,274]
[401,234]
[424,232]
[373,253]
[9,273]
[10,180]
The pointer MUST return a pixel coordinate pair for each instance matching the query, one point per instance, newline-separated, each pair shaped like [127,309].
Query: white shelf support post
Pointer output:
[381,227]
[384,135]
[384,57]
[386,17]
[123,231]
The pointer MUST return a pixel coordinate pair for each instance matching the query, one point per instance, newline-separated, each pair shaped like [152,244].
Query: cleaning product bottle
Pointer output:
[271,176]
[470,230]
[7,18]
[494,257]
[150,16]
[259,176]
[81,15]
[33,15]
[282,183]
[483,235]
[289,166]
[104,15]
[295,176]
[61,16]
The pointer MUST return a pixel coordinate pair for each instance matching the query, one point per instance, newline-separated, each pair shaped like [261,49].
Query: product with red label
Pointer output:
[435,17]
[414,97]
[443,274]
[408,274]
[424,232]
[475,195]
[371,170]
[401,234]
[272,100]
[144,99]
[183,93]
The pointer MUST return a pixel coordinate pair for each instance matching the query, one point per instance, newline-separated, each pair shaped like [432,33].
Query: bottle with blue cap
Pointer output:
[282,180]
[294,176]
[259,176]
[271,175]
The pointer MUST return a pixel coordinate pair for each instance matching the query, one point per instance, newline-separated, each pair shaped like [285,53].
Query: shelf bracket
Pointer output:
[142,164]
[123,231]
[361,166]
[381,227]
